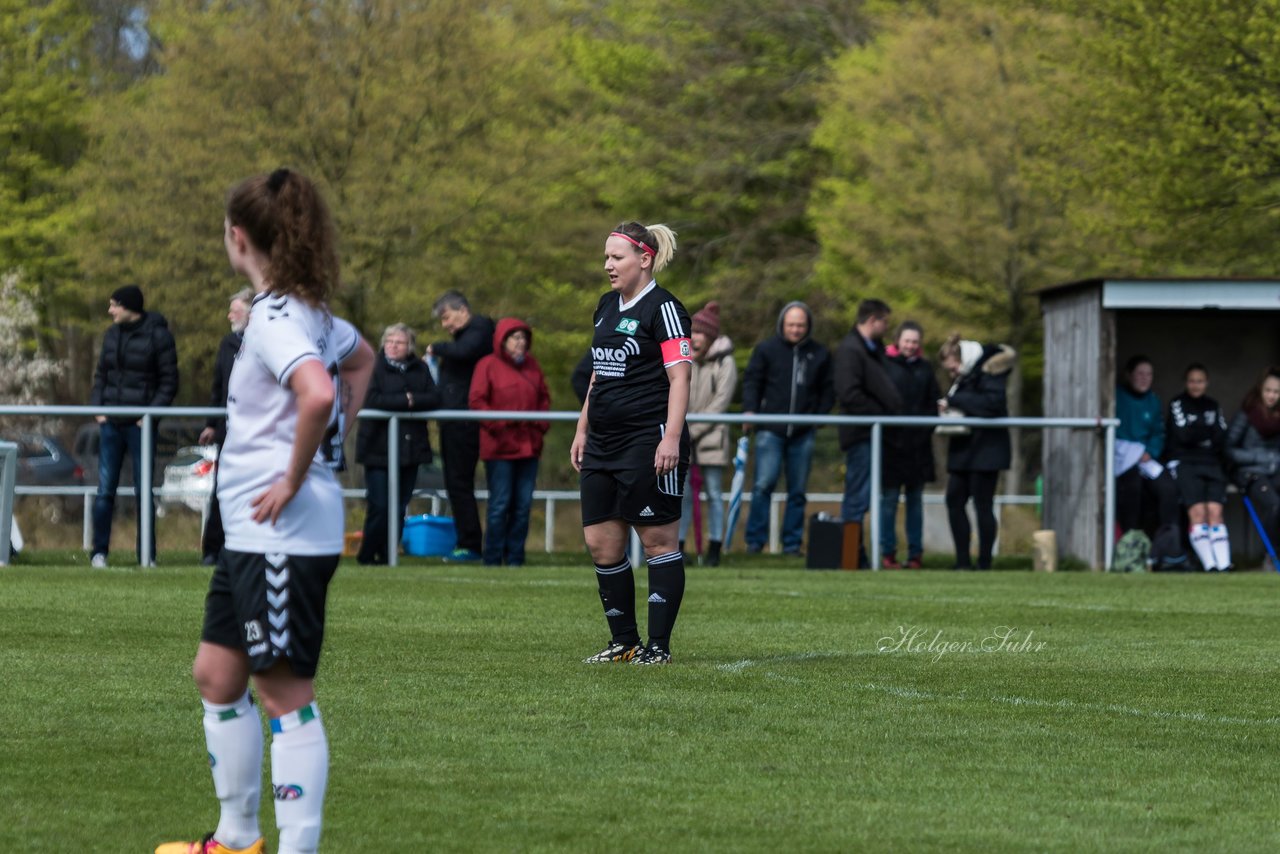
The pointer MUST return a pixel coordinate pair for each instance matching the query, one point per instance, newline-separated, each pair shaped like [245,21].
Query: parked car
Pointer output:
[188,480]
[45,461]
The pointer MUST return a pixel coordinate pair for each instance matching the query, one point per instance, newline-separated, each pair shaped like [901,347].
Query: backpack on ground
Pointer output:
[1167,554]
[1132,552]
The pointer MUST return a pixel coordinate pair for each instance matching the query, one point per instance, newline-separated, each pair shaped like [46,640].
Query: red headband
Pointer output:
[636,243]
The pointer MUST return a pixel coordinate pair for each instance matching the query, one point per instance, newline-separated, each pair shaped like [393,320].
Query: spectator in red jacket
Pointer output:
[509,380]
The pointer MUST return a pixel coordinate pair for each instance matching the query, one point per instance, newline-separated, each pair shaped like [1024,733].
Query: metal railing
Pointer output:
[877,423]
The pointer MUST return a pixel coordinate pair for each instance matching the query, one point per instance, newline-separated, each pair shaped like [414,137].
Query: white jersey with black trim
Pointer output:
[262,420]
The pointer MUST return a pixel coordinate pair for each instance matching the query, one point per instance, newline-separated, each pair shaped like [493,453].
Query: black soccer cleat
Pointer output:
[652,654]
[616,651]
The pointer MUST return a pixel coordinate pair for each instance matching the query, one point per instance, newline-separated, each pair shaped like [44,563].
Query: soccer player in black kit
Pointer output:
[632,447]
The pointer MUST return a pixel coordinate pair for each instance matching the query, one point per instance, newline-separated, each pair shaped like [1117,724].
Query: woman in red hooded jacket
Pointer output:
[509,380]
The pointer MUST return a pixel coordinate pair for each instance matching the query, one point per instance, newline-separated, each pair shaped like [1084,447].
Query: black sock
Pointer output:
[666,589]
[618,596]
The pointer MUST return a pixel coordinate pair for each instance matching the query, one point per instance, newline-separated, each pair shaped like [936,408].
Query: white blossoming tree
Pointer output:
[26,371]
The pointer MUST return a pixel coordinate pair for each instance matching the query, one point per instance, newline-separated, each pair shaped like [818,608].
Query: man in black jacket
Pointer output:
[215,431]
[862,387]
[907,458]
[789,373]
[138,367]
[460,440]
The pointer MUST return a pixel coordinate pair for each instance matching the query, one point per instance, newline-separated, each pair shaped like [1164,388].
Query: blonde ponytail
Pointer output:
[665,245]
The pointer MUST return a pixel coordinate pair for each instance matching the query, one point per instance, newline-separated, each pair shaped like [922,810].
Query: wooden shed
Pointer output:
[1092,327]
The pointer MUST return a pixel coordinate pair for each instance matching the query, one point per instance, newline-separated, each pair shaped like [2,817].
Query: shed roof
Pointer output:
[1176,293]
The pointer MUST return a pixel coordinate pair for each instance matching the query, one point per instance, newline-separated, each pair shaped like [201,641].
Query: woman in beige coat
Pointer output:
[711,388]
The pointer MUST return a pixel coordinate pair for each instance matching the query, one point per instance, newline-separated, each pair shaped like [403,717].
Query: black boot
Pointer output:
[713,553]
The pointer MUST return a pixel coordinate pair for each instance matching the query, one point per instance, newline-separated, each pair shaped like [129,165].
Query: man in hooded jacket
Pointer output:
[788,374]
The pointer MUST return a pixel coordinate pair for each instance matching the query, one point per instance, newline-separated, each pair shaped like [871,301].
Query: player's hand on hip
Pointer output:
[270,504]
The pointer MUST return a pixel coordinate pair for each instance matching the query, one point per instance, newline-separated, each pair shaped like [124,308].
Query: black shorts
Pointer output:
[636,496]
[270,606]
[618,480]
[1200,483]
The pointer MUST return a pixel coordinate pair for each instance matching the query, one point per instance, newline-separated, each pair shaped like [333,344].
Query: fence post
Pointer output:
[1109,497]
[775,521]
[146,521]
[877,438]
[549,524]
[393,491]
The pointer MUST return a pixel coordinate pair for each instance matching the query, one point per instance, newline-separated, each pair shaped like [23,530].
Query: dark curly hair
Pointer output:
[286,218]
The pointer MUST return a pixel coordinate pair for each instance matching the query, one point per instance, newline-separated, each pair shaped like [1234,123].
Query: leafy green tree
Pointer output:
[43,89]
[706,112]
[441,132]
[1178,133]
[939,198]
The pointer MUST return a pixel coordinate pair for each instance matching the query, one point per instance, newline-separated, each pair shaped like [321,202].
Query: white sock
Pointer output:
[1202,546]
[299,776]
[1221,545]
[233,734]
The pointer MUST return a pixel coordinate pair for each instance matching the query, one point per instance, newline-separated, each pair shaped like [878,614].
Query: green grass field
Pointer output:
[1134,713]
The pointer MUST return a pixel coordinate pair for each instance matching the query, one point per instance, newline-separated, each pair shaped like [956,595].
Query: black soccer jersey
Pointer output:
[632,348]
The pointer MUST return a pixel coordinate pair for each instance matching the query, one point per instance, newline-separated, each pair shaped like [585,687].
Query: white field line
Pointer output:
[1001,699]
[1032,603]
[1072,705]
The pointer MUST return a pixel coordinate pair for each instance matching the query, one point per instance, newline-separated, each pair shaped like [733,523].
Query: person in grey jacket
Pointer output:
[138,366]
[1253,448]
[789,373]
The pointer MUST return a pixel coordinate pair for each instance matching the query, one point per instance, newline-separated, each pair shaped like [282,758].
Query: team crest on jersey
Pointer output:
[685,350]
[627,326]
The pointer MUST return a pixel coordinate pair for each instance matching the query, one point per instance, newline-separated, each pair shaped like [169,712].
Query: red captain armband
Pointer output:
[676,350]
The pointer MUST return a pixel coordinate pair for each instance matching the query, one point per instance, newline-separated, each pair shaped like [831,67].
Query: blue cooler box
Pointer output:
[429,536]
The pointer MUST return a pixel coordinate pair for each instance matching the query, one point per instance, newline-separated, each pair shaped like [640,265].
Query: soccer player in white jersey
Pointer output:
[295,387]
[632,446]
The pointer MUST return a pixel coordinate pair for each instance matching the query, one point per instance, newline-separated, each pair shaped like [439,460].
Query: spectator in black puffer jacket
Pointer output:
[138,366]
[1253,447]
[1196,434]
[401,382]
[976,458]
